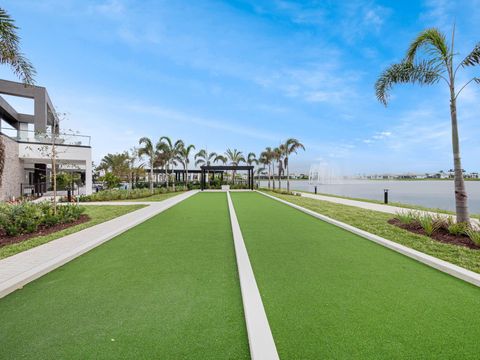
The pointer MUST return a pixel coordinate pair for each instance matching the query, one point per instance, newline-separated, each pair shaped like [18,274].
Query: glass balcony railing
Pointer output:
[64,139]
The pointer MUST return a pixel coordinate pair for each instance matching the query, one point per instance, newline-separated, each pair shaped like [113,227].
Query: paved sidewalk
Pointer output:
[22,268]
[372,206]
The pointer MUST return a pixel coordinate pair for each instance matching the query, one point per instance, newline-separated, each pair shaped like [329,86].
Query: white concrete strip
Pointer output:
[22,268]
[389,209]
[444,266]
[260,339]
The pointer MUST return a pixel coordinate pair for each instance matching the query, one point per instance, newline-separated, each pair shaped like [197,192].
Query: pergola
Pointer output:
[222,168]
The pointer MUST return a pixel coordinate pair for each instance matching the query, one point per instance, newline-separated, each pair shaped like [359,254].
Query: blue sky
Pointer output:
[246,74]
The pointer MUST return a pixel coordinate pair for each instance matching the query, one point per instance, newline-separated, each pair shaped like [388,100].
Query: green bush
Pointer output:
[473,235]
[407,218]
[27,217]
[457,228]
[429,223]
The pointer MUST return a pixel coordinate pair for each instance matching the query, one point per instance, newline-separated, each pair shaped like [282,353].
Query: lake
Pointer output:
[429,193]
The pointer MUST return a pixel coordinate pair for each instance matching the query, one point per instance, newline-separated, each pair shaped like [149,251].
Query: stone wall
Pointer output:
[12,172]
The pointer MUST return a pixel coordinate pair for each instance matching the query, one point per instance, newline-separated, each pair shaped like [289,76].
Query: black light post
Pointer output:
[385,196]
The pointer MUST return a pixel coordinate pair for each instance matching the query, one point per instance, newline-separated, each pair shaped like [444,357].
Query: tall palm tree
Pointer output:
[204,158]
[170,150]
[438,66]
[235,157]
[290,146]
[184,157]
[278,157]
[265,161]
[269,154]
[10,52]
[149,150]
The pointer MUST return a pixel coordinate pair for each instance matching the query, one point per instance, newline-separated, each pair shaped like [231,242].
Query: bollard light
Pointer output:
[385,196]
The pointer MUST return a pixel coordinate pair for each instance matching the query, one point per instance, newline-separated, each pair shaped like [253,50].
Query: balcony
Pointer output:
[62,139]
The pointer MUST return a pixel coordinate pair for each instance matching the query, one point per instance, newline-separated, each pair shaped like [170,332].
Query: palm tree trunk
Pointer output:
[460,192]
[279,177]
[166,173]
[151,177]
[173,181]
[269,176]
[273,176]
[288,175]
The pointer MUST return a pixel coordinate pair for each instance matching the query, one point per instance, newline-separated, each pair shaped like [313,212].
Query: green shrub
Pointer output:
[26,217]
[474,235]
[457,228]
[430,224]
[407,217]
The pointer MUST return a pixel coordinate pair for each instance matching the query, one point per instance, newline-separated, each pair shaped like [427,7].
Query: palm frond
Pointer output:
[10,53]
[473,58]
[433,41]
[423,73]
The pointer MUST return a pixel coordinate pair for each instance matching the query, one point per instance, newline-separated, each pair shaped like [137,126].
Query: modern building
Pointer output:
[28,141]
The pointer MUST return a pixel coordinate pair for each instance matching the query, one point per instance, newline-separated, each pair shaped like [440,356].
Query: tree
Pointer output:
[267,156]
[235,157]
[290,146]
[204,158]
[10,52]
[265,161]
[184,157]
[278,157]
[439,66]
[117,164]
[170,151]
[150,151]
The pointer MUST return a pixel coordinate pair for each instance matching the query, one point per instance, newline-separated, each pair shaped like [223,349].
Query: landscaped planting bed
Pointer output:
[331,294]
[26,219]
[166,289]
[120,194]
[94,216]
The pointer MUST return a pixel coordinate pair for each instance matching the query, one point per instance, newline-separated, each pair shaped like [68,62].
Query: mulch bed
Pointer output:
[42,231]
[440,235]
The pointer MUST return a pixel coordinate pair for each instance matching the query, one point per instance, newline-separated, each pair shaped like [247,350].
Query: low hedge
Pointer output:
[27,217]
[121,194]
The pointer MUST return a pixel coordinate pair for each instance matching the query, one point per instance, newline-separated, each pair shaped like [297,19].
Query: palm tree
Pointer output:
[269,155]
[10,52]
[235,157]
[170,151]
[117,164]
[184,157]
[278,157]
[150,151]
[439,66]
[265,161]
[290,146]
[204,158]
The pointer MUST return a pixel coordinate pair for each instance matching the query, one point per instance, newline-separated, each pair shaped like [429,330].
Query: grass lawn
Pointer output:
[376,223]
[331,294]
[98,214]
[166,289]
[397,204]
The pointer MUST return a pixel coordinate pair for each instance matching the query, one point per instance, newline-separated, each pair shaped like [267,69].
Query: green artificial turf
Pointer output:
[97,213]
[330,294]
[156,197]
[376,223]
[166,289]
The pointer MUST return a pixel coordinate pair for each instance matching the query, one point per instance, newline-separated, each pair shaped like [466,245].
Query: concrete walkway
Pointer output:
[22,268]
[389,209]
